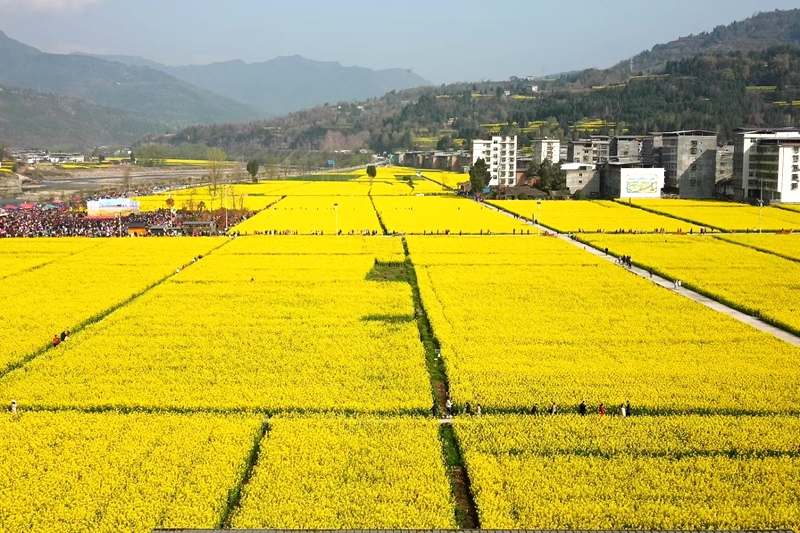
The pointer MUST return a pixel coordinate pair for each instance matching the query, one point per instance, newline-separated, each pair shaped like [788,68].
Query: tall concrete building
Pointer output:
[689,159]
[724,177]
[546,149]
[500,154]
[601,148]
[767,164]
[625,148]
[580,151]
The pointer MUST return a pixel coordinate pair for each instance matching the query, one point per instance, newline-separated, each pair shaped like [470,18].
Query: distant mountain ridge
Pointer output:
[137,89]
[288,83]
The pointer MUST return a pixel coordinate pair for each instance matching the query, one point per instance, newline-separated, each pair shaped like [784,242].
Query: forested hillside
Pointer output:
[758,32]
[718,92]
[32,119]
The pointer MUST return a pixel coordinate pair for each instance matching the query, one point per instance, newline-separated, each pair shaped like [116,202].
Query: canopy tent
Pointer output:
[27,206]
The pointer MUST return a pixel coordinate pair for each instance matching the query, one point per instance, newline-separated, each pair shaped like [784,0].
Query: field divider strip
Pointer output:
[94,319]
[377,213]
[687,220]
[404,413]
[234,500]
[466,514]
[757,249]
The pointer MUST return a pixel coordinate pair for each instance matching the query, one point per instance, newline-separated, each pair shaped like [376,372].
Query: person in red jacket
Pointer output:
[602,409]
[56,341]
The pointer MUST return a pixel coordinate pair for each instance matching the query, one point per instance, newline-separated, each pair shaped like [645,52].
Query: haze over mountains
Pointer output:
[115,99]
[286,84]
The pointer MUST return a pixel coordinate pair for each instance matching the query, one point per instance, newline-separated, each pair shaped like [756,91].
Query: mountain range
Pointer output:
[286,84]
[118,89]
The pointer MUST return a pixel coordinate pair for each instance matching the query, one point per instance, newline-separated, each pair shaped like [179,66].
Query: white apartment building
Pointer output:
[500,154]
[766,165]
[546,149]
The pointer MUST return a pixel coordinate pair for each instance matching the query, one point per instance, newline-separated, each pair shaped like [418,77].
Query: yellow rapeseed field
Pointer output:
[349,473]
[663,473]
[21,255]
[443,214]
[725,215]
[249,327]
[783,245]
[753,281]
[592,216]
[314,214]
[68,472]
[40,303]
[530,320]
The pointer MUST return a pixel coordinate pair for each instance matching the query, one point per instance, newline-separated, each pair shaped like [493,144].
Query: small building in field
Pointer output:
[137,229]
[199,228]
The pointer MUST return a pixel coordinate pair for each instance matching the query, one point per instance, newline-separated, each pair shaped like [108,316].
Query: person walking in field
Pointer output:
[435,410]
[623,413]
[628,408]
[582,408]
[449,406]
[535,409]
[478,410]
[468,408]
[56,341]
[602,409]
[13,406]
[553,408]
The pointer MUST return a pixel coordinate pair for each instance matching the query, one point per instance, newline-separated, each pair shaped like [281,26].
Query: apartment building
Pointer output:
[601,148]
[580,151]
[689,159]
[546,149]
[625,148]
[500,154]
[767,165]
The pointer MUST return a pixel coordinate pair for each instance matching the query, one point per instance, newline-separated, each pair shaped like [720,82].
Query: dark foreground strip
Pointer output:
[460,486]
[235,494]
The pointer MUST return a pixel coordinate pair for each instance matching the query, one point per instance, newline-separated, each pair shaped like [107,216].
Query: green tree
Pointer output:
[479,176]
[372,172]
[446,143]
[549,176]
[252,169]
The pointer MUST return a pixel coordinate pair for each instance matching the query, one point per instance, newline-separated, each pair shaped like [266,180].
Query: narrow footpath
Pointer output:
[669,285]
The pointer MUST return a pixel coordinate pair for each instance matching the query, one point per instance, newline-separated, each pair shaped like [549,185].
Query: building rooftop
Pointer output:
[686,133]
[756,129]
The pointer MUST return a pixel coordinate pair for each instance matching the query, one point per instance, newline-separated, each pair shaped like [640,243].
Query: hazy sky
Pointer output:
[442,40]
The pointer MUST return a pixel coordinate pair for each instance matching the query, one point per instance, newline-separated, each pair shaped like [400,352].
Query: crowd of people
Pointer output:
[59,222]
[624,409]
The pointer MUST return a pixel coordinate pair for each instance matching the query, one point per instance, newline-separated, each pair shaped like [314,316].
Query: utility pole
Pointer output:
[336,210]
[761,206]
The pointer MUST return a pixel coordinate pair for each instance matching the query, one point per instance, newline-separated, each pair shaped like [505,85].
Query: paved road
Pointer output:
[667,284]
